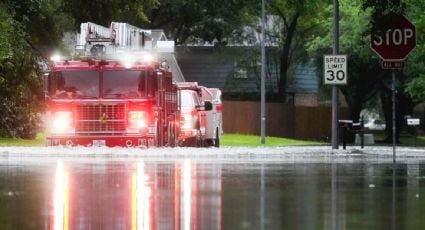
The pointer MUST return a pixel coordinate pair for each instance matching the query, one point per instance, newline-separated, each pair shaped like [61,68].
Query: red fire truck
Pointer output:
[111,97]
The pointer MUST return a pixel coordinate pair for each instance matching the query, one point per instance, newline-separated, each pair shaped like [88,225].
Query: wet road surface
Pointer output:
[330,192]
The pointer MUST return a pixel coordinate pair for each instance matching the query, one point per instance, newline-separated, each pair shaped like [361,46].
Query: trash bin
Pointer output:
[346,126]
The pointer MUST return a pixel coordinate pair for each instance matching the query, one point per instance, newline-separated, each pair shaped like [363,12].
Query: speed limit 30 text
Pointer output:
[335,69]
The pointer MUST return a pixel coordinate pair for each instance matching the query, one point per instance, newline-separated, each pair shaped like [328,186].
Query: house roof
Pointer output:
[203,65]
[304,80]
[200,65]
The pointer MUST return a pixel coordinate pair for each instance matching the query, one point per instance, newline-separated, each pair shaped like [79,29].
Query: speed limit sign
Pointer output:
[335,69]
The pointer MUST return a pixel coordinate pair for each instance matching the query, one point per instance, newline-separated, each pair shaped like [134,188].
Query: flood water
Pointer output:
[192,194]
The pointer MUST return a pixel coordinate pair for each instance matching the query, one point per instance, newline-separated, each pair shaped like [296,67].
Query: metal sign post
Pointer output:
[394,121]
[263,81]
[335,73]
[335,50]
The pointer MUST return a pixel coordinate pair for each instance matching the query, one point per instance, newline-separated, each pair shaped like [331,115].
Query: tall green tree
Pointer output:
[298,22]
[42,22]
[6,33]
[199,21]
[364,72]
[31,29]
[104,12]
[416,60]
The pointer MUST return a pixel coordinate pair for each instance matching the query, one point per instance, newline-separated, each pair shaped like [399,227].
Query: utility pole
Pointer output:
[335,50]
[263,76]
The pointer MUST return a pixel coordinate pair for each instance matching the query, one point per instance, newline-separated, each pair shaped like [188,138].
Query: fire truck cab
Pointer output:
[105,103]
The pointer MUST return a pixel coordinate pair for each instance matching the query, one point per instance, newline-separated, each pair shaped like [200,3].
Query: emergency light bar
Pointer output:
[127,59]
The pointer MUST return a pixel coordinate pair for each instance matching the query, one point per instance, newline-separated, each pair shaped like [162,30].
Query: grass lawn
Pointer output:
[38,141]
[406,139]
[410,141]
[252,140]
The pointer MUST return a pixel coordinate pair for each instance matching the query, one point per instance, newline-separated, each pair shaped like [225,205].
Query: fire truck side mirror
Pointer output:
[208,105]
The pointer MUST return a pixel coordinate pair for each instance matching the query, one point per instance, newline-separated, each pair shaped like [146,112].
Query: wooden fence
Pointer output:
[313,123]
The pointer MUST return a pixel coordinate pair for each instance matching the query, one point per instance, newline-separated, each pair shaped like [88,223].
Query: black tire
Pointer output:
[208,143]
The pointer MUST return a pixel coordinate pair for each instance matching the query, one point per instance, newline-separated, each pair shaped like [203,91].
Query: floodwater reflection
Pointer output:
[136,196]
[187,194]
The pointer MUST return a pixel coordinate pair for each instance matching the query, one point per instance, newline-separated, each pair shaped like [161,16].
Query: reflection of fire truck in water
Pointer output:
[115,94]
[137,195]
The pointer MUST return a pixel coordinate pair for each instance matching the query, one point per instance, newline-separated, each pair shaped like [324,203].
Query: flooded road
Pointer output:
[197,193]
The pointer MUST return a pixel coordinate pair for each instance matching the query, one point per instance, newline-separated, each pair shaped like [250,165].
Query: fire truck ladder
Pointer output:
[125,37]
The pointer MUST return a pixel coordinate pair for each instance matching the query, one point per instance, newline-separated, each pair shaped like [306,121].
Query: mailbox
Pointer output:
[413,121]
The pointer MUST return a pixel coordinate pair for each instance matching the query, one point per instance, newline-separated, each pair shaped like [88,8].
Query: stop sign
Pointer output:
[393,37]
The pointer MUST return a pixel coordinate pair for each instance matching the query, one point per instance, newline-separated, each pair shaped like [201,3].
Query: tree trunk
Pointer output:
[283,78]
[285,56]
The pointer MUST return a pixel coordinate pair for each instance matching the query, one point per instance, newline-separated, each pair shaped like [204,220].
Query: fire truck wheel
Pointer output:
[208,143]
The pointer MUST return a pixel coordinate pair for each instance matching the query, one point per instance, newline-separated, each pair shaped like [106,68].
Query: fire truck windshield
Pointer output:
[74,84]
[124,84]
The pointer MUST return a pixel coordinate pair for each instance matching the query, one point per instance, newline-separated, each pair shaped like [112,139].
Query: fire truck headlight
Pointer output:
[55,58]
[62,122]
[137,119]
